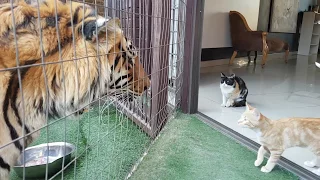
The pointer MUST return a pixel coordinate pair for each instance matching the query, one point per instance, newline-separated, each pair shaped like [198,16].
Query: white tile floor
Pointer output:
[279,90]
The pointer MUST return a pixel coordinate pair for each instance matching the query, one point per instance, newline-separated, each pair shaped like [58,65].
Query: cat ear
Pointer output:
[232,76]
[248,106]
[256,113]
[222,75]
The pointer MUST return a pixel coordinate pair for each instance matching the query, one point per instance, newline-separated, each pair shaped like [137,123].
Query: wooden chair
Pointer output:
[244,39]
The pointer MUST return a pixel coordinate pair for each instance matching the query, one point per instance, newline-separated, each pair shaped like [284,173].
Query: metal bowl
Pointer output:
[36,159]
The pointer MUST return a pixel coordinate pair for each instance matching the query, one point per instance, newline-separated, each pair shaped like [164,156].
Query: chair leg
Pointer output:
[249,58]
[286,56]
[233,56]
[265,49]
[255,57]
[264,57]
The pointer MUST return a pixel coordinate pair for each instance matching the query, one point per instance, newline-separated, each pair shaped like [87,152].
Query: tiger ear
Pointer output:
[91,29]
[35,2]
[114,24]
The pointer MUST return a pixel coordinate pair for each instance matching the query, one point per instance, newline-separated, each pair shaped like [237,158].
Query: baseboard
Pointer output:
[303,173]
[271,57]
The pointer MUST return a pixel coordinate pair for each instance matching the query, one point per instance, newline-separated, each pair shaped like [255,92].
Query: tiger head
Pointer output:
[128,72]
[78,24]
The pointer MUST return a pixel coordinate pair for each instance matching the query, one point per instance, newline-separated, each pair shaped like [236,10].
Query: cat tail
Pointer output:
[239,103]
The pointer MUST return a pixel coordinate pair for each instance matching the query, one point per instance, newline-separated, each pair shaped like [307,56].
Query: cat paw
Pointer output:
[223,105]
[310,164]
[264,169]
[258,163]
[228,104]
[317,171]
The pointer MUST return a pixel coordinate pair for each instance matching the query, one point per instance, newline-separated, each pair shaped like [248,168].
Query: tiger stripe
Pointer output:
[5,107]
[4,165]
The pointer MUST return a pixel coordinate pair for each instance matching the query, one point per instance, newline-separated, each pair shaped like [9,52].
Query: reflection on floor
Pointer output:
[279,90]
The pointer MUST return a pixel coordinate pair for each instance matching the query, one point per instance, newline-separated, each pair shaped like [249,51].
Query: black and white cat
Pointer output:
[234,91]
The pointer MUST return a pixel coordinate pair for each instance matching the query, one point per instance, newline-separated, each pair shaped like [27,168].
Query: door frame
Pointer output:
[192,56]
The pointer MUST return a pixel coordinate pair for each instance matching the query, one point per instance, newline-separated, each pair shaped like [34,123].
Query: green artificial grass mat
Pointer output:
[115,142]
[189,149]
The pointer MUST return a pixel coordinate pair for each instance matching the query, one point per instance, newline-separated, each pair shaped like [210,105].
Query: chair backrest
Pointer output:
[238,23]
[243,38]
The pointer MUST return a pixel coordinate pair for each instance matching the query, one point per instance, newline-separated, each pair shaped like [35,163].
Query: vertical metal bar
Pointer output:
[19,82]
[148,55]
[62,67]
[115,13]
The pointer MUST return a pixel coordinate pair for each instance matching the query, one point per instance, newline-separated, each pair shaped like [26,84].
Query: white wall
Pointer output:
[216,32]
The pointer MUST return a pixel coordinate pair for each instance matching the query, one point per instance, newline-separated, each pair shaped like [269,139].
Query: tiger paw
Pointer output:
[258,163]
[264,169]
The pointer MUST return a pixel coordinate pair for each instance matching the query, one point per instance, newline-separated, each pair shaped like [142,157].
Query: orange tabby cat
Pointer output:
[279,135]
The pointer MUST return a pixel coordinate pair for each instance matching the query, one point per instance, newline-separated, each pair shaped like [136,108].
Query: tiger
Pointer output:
[88,57]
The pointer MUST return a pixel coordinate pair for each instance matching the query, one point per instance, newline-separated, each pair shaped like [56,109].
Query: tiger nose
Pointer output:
[147,85]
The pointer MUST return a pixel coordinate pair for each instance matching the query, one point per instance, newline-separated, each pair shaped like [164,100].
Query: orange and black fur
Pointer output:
[97,60]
